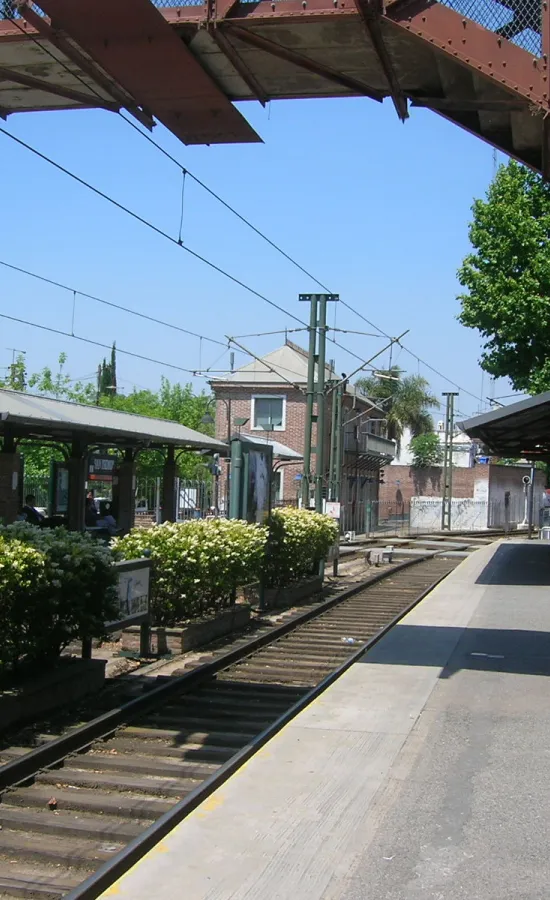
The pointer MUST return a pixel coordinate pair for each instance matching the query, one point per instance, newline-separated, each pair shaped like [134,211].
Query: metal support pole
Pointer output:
[236,478]
[447,499]
[321,405]
[339,441]
[332,461]
[531,504]
[228,410]
[306,478]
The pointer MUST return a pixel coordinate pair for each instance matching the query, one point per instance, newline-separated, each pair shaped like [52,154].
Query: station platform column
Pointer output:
[11,487]
[124,492]
[169,502]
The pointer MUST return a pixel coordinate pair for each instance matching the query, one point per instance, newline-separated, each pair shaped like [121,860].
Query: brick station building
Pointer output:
[270,394]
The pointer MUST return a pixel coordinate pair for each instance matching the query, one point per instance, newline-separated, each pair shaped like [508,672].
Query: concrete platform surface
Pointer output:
[422,774]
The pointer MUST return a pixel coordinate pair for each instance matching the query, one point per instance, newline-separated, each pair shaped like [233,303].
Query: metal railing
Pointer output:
[365,442]
[517,20]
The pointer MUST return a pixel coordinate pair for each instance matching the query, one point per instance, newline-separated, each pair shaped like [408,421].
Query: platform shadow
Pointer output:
[526,563]
[454,649]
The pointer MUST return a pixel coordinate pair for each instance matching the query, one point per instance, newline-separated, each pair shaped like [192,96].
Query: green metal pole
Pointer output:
[306,480]
[236,479]
[339,429]
[332,462]
[450,478]
[321,405]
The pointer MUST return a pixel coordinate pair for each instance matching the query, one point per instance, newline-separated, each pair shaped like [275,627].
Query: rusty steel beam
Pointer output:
[303,62]
[85,64]
[473,46]
[134,44]
[47,87]
[455,104]
[545,149]
[371,12]
[239,65]
[265,10]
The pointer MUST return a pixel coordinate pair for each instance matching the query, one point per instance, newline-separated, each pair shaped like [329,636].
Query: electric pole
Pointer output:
[315,391]
[447,499]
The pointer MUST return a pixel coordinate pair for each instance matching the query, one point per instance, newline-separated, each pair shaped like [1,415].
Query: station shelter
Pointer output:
[83,433]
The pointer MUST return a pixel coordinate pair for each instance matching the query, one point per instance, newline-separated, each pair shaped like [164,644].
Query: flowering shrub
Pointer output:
[298,541]
[55,586]
[197,565]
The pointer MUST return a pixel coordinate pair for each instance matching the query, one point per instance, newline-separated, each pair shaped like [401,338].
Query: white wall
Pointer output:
[462,449]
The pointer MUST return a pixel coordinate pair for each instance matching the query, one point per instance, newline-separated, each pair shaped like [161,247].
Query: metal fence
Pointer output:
[517,20]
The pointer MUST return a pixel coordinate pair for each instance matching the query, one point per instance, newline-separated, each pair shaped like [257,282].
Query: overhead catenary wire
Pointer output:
[77,337]
[126,309]
[150,225]
[411,353]
[185,171]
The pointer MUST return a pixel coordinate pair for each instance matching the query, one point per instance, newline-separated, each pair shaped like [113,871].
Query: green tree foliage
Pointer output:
[60,386]
[106,376]
[426,450]
[507,277]
[176,402]
[406,401]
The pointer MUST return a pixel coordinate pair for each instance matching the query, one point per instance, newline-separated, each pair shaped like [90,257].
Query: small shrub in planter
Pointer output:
[298,541]
[64,587]
[196,565]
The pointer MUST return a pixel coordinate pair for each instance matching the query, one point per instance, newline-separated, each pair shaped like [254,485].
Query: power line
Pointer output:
[148,224]
[76,337]
[228,206]
[126,309]
[411,353]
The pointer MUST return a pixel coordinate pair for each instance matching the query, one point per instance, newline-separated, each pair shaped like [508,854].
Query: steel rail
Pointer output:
[111,871]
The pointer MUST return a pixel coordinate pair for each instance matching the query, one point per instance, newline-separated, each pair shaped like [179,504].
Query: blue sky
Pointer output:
[376,210]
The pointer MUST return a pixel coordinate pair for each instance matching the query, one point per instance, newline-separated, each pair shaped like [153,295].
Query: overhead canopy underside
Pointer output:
[184,65]
[518,431]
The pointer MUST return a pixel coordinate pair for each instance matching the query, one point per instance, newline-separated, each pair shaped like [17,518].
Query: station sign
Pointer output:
[134,590]
[101,467]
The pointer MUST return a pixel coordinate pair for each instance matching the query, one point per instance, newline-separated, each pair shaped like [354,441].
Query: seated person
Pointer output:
[29,513]
[90,513]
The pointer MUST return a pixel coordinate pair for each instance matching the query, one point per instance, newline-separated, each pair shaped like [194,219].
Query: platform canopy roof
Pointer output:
[28,416]
[520,430]
[280,451]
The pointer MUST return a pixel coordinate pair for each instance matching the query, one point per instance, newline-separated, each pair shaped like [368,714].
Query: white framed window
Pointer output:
[268,412]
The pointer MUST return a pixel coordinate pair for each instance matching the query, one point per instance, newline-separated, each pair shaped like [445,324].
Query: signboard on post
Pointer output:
[134,583]
[333,509]
[101,467]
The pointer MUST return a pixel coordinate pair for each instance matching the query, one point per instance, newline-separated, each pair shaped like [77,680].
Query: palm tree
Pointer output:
[406,400]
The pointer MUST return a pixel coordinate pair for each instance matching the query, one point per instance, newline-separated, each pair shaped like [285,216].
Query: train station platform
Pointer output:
[423,773]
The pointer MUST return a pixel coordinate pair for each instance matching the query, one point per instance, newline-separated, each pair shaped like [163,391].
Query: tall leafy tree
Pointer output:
[507,278]
[406,400]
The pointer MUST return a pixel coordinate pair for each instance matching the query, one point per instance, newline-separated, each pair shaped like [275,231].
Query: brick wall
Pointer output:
[483,482]
[238,400]
[403,482]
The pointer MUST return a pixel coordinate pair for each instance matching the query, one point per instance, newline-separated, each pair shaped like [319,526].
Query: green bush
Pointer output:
[298,541]
[55,586]
[196,565]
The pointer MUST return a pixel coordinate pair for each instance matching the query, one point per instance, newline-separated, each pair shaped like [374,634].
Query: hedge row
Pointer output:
[55,586]
[198,565]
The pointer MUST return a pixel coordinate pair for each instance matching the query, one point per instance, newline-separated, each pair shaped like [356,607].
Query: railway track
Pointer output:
[78,810]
